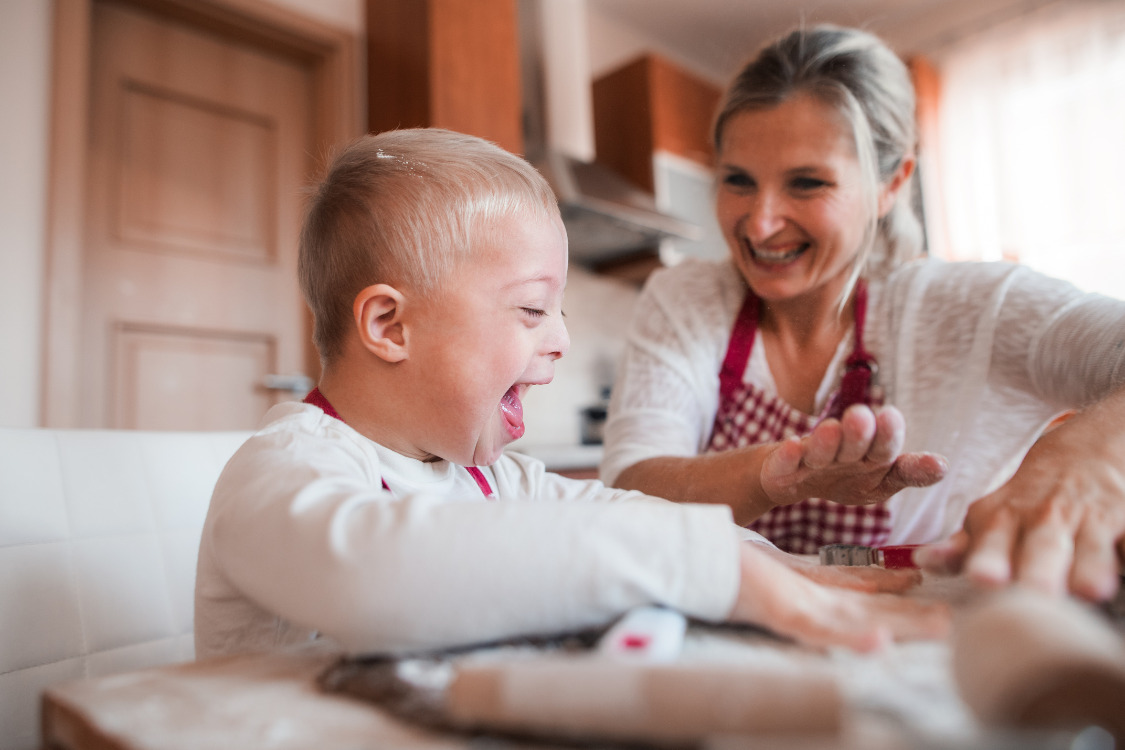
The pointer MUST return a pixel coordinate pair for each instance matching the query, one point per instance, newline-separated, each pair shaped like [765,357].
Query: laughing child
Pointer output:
[383,514]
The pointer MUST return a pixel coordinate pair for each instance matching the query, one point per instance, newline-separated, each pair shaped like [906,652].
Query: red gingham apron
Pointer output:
[748,415]
[316,398]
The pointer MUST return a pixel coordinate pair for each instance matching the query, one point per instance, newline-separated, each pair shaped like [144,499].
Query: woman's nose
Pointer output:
[764,217]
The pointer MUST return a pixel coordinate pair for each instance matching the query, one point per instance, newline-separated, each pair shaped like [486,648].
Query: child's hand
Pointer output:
[774,595]
[854,460]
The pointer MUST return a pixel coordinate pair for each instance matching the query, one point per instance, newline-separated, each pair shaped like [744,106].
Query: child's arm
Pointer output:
[300,527]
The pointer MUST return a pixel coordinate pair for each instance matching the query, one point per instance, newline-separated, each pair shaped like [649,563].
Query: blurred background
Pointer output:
[155,154]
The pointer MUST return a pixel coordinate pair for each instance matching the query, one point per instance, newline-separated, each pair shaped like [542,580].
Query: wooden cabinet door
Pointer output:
[198,149]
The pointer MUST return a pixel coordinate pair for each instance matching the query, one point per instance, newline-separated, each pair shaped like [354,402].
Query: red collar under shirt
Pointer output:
[316,398]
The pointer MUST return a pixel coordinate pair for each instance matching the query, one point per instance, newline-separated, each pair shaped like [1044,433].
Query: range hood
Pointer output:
[606,216]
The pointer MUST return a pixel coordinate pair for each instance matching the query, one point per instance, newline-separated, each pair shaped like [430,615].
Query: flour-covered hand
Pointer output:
[855,460]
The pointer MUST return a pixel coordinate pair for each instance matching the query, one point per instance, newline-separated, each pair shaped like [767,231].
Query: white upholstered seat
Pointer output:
[99,532]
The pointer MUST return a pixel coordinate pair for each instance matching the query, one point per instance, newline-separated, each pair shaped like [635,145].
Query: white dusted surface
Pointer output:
[98,537]
[901,698]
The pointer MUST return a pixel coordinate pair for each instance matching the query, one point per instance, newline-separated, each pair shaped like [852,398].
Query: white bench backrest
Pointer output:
[99,533]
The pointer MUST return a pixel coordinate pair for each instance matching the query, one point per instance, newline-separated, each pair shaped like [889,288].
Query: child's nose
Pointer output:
[558,341]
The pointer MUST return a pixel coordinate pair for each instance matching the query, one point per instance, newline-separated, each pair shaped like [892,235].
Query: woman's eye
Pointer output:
[808,183]
[737,180]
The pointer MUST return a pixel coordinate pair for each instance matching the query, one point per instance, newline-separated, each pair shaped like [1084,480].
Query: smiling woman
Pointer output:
[825,367]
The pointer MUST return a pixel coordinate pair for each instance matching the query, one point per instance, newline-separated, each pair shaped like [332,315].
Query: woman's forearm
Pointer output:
[856,460]
[730,478]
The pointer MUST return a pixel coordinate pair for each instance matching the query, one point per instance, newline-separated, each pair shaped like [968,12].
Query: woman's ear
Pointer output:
[378,311]
[888,192]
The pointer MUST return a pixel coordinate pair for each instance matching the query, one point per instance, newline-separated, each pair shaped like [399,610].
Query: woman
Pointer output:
[824,313]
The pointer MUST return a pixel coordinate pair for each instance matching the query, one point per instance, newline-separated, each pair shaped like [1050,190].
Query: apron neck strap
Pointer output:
[855,386]
[858,369]
[741,342]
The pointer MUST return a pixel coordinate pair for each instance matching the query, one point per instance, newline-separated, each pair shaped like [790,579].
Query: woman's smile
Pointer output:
[776,254]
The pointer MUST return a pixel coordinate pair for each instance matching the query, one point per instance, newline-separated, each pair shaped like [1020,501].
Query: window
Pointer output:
[1028,162]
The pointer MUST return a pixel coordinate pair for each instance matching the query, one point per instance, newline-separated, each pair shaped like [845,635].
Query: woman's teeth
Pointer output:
[771,256]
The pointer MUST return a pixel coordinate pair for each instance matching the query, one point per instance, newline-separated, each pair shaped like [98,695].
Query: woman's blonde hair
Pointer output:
[405,208]
[857,74]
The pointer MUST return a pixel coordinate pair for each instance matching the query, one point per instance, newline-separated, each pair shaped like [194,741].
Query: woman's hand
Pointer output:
[1058,524]
[854,460]
[774,595]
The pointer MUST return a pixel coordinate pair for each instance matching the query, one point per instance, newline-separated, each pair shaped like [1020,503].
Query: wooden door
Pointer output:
[199,146]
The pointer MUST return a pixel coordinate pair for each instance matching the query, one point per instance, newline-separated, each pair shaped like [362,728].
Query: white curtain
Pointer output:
[1030,148]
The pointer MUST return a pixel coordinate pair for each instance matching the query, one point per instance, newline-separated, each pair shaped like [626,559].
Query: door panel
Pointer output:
[164,378]
[196,177]
[198,150]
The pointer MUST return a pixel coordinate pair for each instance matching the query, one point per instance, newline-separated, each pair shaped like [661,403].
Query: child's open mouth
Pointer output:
[512,409]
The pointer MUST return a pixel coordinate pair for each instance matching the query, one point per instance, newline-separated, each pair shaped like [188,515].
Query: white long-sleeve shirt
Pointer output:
[977,356]
[302,540]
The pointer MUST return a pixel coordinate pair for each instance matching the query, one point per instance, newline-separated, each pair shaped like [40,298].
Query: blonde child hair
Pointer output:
[405,207]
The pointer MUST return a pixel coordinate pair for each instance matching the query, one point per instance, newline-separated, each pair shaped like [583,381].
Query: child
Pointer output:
[434,264]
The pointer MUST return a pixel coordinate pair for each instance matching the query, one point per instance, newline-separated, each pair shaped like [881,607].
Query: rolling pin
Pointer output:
[1027,660]
[591,696]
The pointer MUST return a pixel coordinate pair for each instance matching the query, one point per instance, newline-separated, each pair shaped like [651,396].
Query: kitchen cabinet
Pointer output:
[649,106]
[652,125]
[448,64]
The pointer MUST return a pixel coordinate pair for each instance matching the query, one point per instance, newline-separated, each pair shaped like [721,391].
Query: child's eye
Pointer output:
[534,312]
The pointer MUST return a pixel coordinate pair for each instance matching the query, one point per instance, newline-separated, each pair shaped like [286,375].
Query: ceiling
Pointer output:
[717,35]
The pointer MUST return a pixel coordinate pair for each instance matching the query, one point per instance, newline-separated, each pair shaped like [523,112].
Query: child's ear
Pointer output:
[378,315]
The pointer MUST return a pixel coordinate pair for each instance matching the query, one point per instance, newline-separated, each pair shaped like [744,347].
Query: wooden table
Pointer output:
[272,700]
[234,703]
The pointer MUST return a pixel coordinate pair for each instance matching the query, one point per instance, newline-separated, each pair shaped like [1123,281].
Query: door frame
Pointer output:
[333,57]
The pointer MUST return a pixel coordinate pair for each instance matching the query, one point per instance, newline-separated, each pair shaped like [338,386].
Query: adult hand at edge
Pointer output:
[855,460]
[1058,525]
